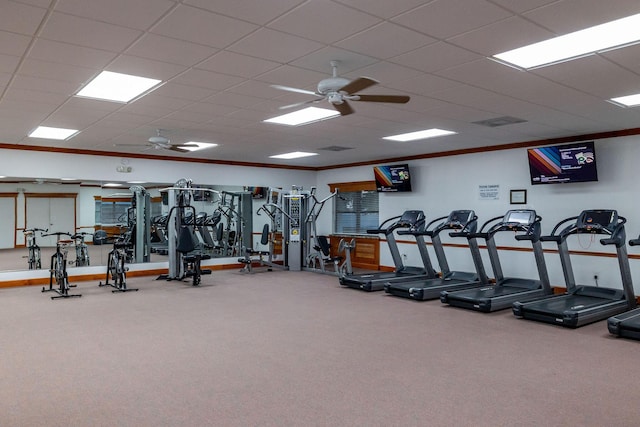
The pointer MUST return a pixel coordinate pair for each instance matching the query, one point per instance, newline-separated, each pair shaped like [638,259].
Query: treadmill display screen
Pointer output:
[460,218]
[411,217]
[520,217]
[598,219]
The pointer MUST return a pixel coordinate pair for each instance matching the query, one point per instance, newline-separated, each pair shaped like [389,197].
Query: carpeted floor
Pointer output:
[296,349]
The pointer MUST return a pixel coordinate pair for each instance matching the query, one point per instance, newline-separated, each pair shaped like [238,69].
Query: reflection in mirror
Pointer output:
[36,212]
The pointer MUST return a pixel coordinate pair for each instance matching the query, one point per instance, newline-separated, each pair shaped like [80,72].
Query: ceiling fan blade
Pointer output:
[344,109]
[177,148]
[293,89]
[357,85]
[396,99]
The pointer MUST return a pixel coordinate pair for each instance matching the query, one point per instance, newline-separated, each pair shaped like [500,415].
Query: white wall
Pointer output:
[443,184]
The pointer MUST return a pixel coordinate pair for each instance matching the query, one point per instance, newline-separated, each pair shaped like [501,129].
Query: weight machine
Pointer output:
[236,208]
[273,209]
[318,250]
[184,260]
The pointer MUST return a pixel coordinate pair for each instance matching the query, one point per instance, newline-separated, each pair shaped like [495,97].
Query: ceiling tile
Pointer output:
[571,15]
[20,18]
[385,41]
[425,84]
[258,12]
[13,44]
[501,36]
[519,6]
[275,46]
[628,57]
[295,77]
[320,60]
[324,21]
[384,9]
[45,85]
[8,64]
[71,54]
[435,57]
[386,73]
[143,67]
[226,62]
[166,49]
[85,32]
[208,79]
[593,75]
[199,26]
[447,18]
[56,71]
[139,14]
[176,90]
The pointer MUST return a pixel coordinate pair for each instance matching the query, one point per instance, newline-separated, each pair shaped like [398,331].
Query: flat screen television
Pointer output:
[563,163]
[392,178]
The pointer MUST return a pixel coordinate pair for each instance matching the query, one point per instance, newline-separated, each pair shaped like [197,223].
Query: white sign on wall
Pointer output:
[489,192]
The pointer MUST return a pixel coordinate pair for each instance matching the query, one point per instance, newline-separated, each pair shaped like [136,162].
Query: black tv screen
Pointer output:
[392,178]
[563,163]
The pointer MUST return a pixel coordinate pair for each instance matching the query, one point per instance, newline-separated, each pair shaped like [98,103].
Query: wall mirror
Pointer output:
[82,207]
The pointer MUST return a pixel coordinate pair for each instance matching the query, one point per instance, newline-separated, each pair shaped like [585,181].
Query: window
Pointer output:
[356,210]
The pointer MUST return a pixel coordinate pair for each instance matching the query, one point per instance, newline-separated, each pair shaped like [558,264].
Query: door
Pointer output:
[57,213]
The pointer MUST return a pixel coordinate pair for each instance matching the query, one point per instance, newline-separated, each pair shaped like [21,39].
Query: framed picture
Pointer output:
[518,197]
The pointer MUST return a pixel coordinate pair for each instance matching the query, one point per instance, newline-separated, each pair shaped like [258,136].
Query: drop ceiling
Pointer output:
[218,60]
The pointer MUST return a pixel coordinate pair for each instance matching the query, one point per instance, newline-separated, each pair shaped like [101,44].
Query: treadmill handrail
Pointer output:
[634,242]
[553,237]
[381,229]
[422,231]
[484,234]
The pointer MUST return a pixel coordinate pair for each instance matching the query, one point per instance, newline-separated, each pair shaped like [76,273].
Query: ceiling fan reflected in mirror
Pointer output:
[161,142]
[338,90]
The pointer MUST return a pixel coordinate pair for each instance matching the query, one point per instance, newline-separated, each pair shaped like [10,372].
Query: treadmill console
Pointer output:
[593,221]
[410,218]
[520,217]
[459,219]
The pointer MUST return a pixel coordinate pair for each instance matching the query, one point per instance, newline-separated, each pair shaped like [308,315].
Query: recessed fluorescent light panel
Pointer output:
[421,134]
[627,101]
[195,146]
[607,36]
[117,87]
[52,133]
[293,155]
[304,116]
[112,184]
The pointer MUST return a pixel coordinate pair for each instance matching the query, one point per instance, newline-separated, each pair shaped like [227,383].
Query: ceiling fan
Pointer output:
[161,142]
[338,90]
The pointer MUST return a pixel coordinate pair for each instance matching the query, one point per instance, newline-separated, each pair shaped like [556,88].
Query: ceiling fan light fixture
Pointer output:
[304,116]
[421,134]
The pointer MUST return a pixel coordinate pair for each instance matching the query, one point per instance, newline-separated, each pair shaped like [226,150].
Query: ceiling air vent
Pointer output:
[336,148]
[500,121]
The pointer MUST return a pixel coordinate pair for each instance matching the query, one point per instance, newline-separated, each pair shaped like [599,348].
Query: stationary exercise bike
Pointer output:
[82,250]
[34,258]
[58,271]
[116,266]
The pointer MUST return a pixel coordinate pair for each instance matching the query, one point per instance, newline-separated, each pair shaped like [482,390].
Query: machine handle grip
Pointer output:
[634,242]
[550,238]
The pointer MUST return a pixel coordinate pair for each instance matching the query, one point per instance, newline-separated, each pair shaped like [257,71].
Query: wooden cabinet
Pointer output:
[366,253]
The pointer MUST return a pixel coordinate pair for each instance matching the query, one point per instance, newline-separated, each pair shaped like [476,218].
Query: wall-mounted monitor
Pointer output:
[392,178]
[563,163]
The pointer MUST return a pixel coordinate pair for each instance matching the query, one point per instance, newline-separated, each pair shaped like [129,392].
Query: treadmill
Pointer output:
[627,324]
[583,304]
[464,222]
[506,290]
[412,219]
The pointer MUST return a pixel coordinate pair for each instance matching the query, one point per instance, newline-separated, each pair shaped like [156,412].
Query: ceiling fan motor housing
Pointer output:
[331,84]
